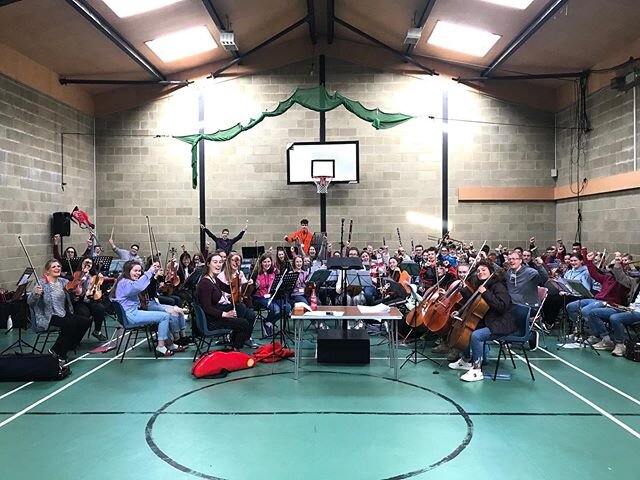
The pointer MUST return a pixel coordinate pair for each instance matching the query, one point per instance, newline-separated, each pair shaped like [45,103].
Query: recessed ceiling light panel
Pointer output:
[181,44]
[519,4]
[463,39]
[129,8]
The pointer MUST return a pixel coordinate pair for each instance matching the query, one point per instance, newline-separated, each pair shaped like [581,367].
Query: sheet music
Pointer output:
[380,308]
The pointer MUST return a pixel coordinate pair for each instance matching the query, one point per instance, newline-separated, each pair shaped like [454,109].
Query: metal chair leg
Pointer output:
[524,351]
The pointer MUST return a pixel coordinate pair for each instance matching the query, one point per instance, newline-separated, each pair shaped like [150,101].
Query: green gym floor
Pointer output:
[150,419]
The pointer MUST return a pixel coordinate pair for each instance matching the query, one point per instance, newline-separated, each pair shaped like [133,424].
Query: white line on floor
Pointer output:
[15,390]
[601,410]
[64,387]
[593,377]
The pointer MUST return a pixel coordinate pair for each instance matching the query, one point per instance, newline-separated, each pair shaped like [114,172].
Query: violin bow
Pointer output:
[29,260]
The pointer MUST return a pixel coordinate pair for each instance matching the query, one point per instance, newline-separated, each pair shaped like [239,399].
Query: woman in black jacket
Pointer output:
[497,320]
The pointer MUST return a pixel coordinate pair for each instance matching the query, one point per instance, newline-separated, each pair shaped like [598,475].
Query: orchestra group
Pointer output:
[438,288]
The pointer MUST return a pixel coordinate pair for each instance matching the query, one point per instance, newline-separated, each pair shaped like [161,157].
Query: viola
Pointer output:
[234,285]
[76,281]
[95,289]
[171,276]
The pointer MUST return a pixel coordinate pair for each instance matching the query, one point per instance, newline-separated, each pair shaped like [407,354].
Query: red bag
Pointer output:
[218,364]
[272,352]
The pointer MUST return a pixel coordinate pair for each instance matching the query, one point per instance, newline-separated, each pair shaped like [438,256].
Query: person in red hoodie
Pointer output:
[612,292]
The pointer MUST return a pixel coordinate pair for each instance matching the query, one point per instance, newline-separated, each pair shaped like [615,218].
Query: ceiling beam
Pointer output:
[112,34]
[213,13]
[420,22]
[406,58]
[312,21]
[272,39]
[80,81]
[545,14]
[4,3]
[530,76]
[331,26]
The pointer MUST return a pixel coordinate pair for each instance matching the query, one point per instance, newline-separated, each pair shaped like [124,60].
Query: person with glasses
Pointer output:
[523,281]
[126,255]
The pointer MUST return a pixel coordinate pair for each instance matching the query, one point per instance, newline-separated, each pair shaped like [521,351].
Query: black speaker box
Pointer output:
[343,346]
[61,224]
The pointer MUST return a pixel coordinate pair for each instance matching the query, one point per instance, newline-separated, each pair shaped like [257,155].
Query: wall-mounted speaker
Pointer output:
[61,224]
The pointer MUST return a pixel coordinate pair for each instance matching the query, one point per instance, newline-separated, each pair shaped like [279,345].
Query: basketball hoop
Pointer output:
[322,183]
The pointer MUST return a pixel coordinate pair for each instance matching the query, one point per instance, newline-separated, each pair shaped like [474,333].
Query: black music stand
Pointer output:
[281,288]
[583,292]
[344,264]
[16,302]
[104,261]
[412,268]
[252,252]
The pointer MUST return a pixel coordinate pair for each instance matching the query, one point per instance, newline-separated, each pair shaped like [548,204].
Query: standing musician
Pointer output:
[52,305]
[264,279]
[234,296]
[497,320]
[304,236]
[225,243]
[131,283]
[220,314]
[88,300]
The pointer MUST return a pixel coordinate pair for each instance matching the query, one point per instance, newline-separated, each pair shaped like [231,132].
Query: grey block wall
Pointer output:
[609,220]
[30,174]
[400,168]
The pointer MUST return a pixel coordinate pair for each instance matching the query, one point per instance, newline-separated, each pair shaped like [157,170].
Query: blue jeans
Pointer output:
[619,320]
[478,337]
[177,322]
[142,317]
[299,298]
[585,305]
[597,317]
[274,308]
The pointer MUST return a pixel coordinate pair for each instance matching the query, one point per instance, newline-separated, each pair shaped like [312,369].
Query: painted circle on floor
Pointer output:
[328,424]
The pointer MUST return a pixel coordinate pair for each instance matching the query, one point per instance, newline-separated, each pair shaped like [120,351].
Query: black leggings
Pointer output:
[92,309]
[242,325]
[72,329]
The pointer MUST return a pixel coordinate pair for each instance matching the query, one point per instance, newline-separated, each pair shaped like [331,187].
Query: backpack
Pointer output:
[632,350]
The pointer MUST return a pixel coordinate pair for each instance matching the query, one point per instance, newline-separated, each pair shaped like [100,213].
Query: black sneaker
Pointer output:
[99,336]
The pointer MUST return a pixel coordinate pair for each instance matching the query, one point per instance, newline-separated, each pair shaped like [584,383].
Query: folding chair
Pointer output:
[128,328]
[207,335]
[521,315]
[537,323]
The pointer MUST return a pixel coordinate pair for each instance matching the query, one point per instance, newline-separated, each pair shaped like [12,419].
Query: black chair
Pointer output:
[147,328]
[206,334]
[47,332]
[521,315]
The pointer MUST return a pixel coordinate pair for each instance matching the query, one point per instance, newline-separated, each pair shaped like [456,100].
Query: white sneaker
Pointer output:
[472,375]
[604,344]
[620,350]
[359,325]
[461,365]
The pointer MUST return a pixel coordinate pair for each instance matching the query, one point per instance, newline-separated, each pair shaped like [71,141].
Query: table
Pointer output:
[349,313]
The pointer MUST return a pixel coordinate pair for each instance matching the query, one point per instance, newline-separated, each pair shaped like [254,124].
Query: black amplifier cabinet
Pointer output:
[343,346]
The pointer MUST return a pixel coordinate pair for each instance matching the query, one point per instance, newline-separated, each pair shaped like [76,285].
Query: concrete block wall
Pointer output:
[30,174]
[400,168]
[610,220]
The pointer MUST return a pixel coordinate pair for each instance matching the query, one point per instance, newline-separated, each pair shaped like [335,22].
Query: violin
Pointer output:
[78,279]
[95,289]
[171,272]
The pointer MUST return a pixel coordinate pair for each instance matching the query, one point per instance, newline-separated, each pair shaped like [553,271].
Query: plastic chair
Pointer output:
[128,327]
[207,335]
[521,315]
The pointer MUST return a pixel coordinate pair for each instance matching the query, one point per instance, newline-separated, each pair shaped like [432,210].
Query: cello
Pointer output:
[466,320]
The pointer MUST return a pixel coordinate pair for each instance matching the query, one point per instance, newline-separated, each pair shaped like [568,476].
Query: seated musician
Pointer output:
[428,271]
[497,320]
[131,283]
[612,293]
[614,314]
[84,303]
[221,313]
[264,279]
[282,263]
[52,305]
[238,282]
[557,297]
[523,281]
[69,253]
[445,256]
[355,294]
[131,254]
[172,304]
[304,236]
[298,294]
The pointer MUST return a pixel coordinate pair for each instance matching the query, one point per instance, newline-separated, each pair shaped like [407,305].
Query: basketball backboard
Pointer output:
[339,160]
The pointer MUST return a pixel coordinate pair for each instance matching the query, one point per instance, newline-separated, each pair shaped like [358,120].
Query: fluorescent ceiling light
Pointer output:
[128,8]
[519,4]
[184,43]
[462,39]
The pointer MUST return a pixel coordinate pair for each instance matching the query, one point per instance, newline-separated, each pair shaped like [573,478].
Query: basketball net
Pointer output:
[322,183]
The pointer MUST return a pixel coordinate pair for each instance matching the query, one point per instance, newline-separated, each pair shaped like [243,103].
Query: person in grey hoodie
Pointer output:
[579,272]
[523,281]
